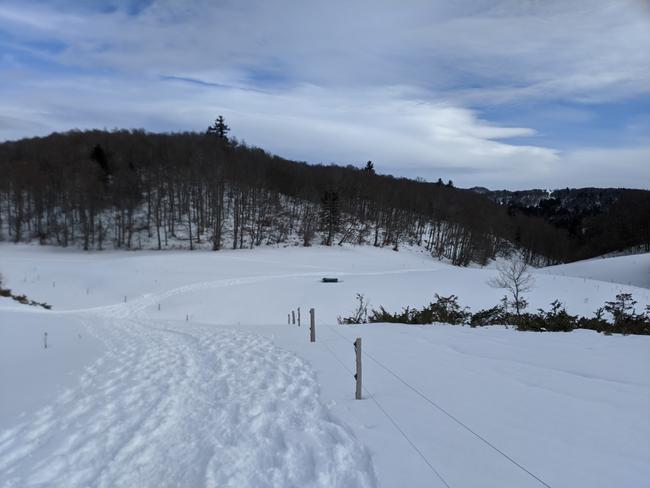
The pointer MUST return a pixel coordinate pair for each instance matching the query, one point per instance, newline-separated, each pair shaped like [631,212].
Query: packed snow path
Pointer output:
[183,405]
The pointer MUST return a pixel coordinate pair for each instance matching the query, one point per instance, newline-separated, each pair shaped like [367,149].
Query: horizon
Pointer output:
[503,95]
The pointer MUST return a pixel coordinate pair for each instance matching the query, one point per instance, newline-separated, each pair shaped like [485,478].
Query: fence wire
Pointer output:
[444,411]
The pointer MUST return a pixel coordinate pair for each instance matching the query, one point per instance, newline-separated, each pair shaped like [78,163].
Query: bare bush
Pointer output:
[360,315]
[514,277]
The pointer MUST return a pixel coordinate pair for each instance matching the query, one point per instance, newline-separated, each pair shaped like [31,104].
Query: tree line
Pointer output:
[597,220]
[132,189]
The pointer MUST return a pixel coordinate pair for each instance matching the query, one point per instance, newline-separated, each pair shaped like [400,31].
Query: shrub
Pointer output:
[489,316]
[557,319]
[6,292]
[597,322]
[444,309]
[381,315]
[360,315]
[622,308]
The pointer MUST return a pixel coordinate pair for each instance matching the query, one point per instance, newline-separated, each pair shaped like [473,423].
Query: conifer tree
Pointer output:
[219,128]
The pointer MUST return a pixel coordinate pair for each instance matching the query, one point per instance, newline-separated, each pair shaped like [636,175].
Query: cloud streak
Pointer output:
[338,81]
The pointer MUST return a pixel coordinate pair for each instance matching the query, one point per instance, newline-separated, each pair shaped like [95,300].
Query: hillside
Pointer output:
[598,220]
[627,270]
[132,189]
[138,190]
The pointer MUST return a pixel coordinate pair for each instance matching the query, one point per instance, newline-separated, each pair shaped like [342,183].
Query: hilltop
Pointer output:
[139,190]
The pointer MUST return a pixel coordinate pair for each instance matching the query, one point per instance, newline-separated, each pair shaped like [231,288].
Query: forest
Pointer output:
[133,189]
[599,220]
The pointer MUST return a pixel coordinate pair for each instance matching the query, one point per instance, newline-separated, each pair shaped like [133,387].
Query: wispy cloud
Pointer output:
[339,81]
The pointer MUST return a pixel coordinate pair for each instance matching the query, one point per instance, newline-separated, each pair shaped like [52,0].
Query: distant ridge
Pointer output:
[606,220]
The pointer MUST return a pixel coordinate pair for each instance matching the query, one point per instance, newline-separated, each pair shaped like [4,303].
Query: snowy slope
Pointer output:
[197,380]
[628,270]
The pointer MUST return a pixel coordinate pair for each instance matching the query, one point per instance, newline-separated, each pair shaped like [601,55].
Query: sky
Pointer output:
[508,94]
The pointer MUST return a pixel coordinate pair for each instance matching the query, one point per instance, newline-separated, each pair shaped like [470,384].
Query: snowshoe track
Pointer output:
[176,404]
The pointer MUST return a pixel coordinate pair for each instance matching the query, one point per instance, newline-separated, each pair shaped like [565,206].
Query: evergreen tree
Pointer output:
[330,216]
[621,309]
[100,157]
[219,128]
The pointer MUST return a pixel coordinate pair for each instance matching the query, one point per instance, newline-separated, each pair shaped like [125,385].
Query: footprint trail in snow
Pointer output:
[174,404]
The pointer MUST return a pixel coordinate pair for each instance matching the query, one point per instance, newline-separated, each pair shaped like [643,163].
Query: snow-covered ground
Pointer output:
[628,270]
[179,369]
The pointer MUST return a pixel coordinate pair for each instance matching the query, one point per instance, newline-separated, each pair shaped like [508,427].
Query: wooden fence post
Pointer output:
[289,318]
[312,325]
[124,298]
[293,317]
[45,340]
[357,376]
[298,316]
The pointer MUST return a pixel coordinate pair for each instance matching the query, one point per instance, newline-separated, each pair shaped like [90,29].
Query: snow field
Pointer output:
[28,377]
[225,399]
[631,270]
[185,406]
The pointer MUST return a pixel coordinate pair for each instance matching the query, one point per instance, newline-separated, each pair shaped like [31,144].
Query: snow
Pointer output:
[215,389]
[628,270]
[31,377]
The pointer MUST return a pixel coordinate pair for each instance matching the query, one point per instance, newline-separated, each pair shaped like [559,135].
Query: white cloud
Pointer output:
[587,49]
[613,167]
[340,81]
[306,123]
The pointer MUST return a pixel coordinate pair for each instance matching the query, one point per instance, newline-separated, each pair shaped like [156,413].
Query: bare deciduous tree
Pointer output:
[514,277]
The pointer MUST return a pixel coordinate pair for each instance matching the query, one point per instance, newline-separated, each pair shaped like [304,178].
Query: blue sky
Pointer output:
[504,94]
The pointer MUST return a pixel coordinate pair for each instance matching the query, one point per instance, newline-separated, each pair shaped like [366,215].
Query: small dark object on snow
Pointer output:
[330,280]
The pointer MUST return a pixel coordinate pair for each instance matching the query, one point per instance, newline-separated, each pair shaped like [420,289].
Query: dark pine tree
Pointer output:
[99,156]
[330,216]
[219,128]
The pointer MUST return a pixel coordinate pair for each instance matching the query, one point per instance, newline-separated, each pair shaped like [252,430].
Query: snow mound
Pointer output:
[631,270]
